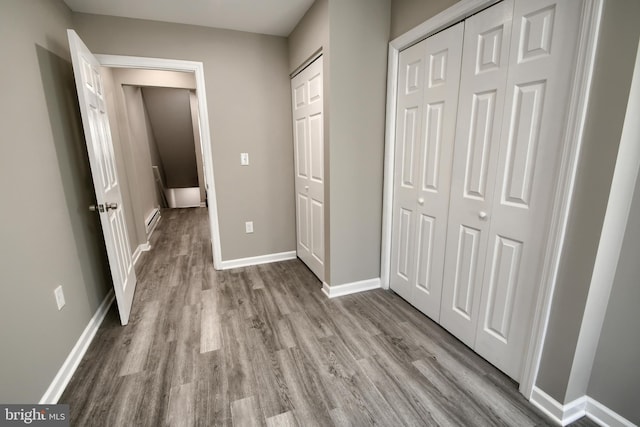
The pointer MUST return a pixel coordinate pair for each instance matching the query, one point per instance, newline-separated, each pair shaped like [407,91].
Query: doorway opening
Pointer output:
[190,77]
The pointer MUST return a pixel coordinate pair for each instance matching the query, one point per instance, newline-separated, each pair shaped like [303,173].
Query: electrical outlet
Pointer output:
[244,159]
[248,227]
[59,297]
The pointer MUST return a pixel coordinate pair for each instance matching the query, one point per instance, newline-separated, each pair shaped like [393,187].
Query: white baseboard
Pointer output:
[141,248]
[256,260]
[605,416]
[580,407]
[350,288]
[62,378]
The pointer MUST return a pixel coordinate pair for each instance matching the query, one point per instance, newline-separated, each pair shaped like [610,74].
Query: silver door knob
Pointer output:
[96,208]
[112,206]
[421,201]
[482,215]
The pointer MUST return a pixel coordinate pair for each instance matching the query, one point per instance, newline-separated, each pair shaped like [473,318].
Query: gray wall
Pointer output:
[359,35]
[308,37]
[353,36]
[118,125]
[170,118]
[138,146]
[615,378]
[48,237]
[406,14]
[248,99]
[611,82]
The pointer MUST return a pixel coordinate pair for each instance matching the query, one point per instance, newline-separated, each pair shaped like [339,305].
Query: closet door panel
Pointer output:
[538,89]
[475,157]
[444,57]
[408,131]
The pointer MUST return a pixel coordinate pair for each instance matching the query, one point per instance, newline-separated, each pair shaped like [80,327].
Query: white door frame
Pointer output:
[117,61]
[589,29]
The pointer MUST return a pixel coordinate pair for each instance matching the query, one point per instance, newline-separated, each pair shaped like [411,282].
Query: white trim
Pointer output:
[559,414]
[144,247]
[590,24]
[350,288]
[578,408]
[572,144]
[62,378]
[605,416]
[118,61]
[256,260]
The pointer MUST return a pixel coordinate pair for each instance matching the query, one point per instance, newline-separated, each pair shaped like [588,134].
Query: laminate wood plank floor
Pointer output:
[263,346]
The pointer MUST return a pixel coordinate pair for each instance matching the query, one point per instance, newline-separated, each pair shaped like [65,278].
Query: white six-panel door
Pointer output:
[538,90]
[95,122]
[480,110]
[426,117]
[514,88]
[308,138]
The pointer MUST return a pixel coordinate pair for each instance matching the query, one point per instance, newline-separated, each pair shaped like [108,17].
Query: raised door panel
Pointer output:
[444,57]
[538,90]
[105,176]
[408,130]
[307,105]
[480,111]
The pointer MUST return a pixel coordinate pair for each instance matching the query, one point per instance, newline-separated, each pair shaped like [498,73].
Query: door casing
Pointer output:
[118,61]
[587,42]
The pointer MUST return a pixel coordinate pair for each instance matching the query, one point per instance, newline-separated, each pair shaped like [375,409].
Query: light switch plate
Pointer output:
[248,227]
[244,159]
[59,297]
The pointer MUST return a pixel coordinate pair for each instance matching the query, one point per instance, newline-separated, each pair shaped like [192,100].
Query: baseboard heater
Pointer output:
[152,221]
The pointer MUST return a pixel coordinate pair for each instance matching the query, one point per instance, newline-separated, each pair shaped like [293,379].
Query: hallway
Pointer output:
[263,346]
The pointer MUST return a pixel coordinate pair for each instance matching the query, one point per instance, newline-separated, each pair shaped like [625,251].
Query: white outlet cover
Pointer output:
[244,159]
[248,227]
[59,297]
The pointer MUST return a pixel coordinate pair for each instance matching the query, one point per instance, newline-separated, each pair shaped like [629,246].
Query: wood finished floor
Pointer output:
[263,346]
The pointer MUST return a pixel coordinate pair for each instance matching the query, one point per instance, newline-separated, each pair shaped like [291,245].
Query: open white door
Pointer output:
[95,122]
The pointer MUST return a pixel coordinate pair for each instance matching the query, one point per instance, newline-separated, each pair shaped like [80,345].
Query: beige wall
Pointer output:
[48,237]
[609,95]
[248,99]
[406,14]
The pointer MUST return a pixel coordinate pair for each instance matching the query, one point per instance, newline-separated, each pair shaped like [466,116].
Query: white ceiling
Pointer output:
[275,17]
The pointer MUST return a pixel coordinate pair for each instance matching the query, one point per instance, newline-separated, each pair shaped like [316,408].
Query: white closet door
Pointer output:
[426,118]
[538,89]
[480,110]
[308,136]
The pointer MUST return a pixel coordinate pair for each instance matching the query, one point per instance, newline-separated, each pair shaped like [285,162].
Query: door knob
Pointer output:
[96,208]
[482,215]
[421,200]
[112,206]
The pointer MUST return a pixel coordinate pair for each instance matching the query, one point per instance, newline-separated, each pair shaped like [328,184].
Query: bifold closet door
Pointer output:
[308,139]
[515,86]
[480,110]
[428,83]
[541,65]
